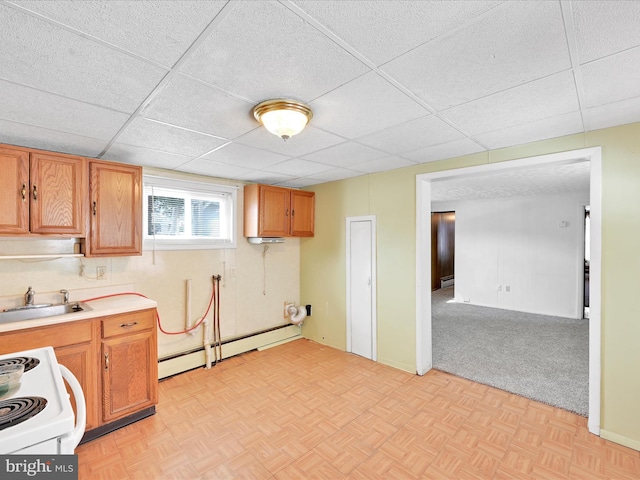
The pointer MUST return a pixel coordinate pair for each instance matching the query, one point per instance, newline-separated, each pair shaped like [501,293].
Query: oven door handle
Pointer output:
[70,441]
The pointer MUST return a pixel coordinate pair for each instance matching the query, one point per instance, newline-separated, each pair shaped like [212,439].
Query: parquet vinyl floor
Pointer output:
[306,411]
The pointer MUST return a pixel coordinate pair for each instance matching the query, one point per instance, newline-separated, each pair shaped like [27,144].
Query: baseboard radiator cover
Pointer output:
[175,364]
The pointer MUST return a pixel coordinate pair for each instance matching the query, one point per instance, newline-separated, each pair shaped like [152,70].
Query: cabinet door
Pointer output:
[274,212]
[14,191]
[58,194]
[80,359]
[302,213]
[130,374]
[116,209]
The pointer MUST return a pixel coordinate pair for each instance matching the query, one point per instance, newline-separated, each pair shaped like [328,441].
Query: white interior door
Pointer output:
[361,318]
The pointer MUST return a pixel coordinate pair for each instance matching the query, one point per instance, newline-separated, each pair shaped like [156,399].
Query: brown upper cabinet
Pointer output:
[278,212]
[115,206]
[42,192]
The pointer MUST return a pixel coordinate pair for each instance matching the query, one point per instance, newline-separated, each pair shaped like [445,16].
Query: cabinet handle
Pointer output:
[106,361]
[95,208]
[286,213]
[35,192]
[293,212]
[127,325]
[24,192]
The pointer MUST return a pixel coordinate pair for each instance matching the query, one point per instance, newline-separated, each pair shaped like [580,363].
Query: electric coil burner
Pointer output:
[28,362]
[36,417]
[17,410]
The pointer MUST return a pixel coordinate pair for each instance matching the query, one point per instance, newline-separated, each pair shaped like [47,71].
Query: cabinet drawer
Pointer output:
[127,323]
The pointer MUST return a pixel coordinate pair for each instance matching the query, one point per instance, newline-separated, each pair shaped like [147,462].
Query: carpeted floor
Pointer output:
[537,356]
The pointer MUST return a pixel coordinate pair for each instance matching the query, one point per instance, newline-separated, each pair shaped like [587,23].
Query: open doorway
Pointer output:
[423,268]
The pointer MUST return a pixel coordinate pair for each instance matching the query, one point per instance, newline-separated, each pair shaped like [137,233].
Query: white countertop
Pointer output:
[103,307]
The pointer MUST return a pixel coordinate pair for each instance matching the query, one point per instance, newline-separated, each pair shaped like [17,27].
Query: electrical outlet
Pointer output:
[101,272]
[508,288]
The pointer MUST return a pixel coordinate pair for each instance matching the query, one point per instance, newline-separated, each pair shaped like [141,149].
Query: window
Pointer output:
[183,215]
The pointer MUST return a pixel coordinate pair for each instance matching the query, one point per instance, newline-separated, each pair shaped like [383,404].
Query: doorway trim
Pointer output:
[424,347]
[374,290]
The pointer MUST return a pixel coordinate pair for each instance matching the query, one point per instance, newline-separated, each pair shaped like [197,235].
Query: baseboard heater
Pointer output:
[447,281]
[182,362]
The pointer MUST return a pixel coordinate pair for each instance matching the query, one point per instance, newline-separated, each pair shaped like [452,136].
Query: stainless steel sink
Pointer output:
[40,311]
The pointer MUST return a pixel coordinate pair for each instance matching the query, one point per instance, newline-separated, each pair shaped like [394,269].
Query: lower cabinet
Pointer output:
[114,359]
[130,364]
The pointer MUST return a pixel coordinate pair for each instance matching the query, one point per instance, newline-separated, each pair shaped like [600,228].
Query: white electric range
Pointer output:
[37,416]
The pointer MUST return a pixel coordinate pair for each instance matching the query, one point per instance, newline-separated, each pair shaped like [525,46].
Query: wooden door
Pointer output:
[116,209]
[58,194]
[14,191]
[302,213]
[130,374]
[442,247]
[274,214]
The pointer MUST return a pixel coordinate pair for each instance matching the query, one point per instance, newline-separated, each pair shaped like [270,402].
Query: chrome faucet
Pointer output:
[29,297]
[65,296]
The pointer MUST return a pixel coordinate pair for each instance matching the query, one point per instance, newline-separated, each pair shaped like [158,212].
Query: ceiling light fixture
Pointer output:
[282,117]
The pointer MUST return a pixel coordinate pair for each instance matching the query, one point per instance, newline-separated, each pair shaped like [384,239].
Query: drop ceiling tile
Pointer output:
[399,26]
[213,169]
[335,174]
[383,164]
[15,133]
[158,32]
[605,27]
[146,133]
[246,157]
[297,167]
[601,86]
[612,114]
[515,43]
[456,148]
[53,59]
[35,107]
[298,182]
[268,178]
[262,50]
[345,154]
[365,105]
[533,131]
[421,132]
[547,97]
[189,103]
[144,156]
[309,140]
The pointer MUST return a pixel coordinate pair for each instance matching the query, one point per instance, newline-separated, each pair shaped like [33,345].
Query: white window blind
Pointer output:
[180,214]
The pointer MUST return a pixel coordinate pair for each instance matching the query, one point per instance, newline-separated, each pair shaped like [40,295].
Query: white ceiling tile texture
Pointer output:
[192,104]
[399,26]
[160,32]
[392,83]
[618,19]
[48,57]
[364,105]
[262,50]
[42,109]
[519,42]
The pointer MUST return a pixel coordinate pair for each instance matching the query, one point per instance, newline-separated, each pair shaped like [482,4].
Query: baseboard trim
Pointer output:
[181,363]
[620,439]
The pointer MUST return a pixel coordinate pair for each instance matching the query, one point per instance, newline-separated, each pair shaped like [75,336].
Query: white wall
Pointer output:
[518,243]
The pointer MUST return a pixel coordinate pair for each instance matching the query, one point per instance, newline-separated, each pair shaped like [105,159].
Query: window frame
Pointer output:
[152,242]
